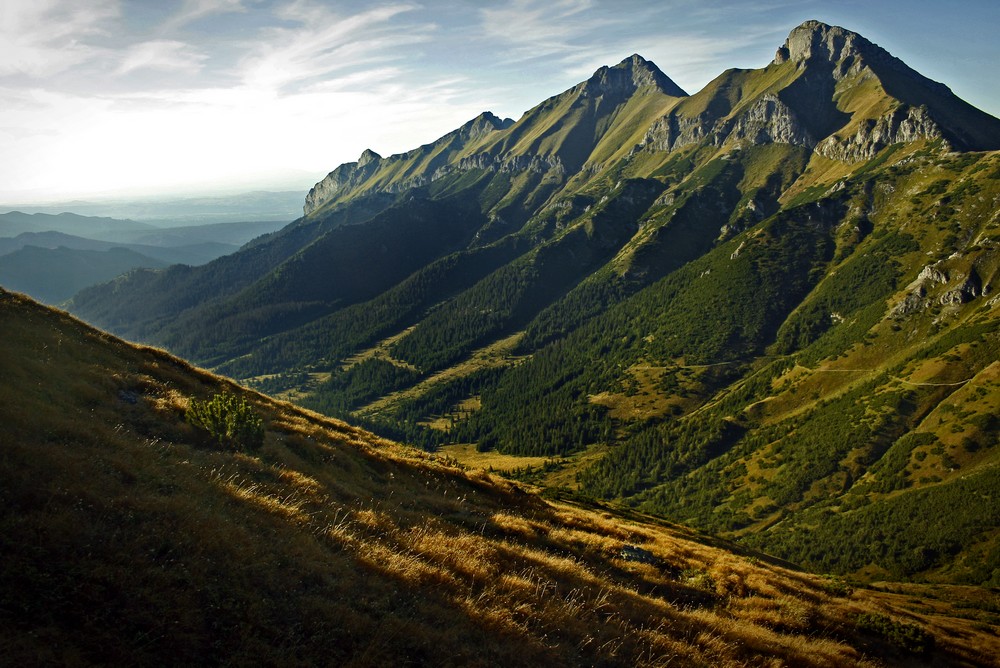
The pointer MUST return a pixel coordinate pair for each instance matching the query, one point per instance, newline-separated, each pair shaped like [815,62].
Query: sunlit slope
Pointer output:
[866,403]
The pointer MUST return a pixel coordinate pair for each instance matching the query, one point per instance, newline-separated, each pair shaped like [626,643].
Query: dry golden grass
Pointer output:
[466,454]
[127,542]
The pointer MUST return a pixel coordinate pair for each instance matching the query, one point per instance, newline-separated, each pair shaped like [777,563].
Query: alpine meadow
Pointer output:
[642,378]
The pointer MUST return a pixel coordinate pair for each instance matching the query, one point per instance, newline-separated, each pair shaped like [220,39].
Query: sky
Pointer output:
[132,98]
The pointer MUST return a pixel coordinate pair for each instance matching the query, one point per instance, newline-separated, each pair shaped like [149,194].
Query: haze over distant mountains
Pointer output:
[52,256]
[180,211]
[766,309]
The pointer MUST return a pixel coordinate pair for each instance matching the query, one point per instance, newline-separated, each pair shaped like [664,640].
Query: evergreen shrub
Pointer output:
[229,420]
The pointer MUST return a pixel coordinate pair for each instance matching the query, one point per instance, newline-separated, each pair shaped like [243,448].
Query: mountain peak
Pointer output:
[367,156]
[818,42]
[632,74]
[483,124]
[927,104]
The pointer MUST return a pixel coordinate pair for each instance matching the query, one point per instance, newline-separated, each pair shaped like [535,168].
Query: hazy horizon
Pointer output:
[51,204]
[181,210]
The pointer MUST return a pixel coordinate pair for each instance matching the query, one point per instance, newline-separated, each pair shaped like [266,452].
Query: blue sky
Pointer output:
[148,97]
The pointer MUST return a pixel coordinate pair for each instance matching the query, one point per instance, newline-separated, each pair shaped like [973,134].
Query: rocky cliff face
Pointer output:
[345,177]
[674,131]
[939,283]
[904,124]
[771,121]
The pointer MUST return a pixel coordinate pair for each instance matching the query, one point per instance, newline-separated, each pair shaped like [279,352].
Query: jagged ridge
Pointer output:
[825,61]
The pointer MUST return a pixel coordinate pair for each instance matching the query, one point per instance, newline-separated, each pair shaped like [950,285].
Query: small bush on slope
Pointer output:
[229,420]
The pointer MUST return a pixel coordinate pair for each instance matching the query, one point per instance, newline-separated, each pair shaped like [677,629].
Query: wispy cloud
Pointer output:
[163,55]
[536,28]
[192,10]
[45,37]
[327,44]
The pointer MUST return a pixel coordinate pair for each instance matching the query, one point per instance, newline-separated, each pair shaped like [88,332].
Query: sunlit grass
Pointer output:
[467,455]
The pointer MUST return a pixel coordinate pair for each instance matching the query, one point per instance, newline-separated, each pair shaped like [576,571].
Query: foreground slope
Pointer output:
[129,539]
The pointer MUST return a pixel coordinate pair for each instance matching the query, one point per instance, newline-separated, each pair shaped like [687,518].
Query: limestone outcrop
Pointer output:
[345,177]
[905,124]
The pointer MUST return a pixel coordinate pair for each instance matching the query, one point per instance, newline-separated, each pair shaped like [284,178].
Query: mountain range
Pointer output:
[52,257]
[180,211]
[764,309]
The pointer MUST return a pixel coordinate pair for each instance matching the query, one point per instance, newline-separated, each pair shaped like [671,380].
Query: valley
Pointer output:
[133,535]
